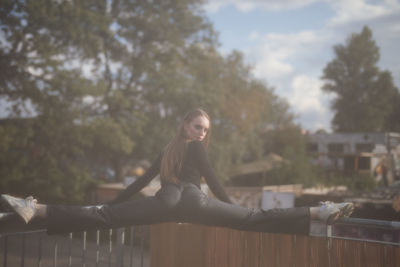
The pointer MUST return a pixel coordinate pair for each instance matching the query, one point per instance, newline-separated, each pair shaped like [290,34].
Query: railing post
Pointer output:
[141,249]
[23,250]
[70,250]
[329,236]
[110,247]
[55,253]
[39,251]
[84,250]
[329,242]
[5,251]
[97,248]
[131,244]
[119,251]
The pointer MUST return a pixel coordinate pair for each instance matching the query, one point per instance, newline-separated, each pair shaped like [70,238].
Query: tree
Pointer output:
[393,122]
[364,94]
[289,142]
[97,85]
[81,121]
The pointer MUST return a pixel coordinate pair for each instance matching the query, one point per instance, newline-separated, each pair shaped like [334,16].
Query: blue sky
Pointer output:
[288,43]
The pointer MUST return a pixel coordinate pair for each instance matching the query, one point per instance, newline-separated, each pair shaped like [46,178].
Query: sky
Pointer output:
[289,42]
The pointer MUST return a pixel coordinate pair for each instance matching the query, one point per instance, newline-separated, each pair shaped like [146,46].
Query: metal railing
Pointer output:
[366,230]
[124,247]
[113,247]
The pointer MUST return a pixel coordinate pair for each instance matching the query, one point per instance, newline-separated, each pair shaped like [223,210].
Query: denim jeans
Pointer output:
[184,202]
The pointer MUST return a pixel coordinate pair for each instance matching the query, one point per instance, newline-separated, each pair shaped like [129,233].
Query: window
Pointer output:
[364,163]
[349,163]
[312,147]
[335,148]
[364,147]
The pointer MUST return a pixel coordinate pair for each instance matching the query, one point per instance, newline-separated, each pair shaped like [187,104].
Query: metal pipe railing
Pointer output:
[395,225]
[115,245]
[365,230]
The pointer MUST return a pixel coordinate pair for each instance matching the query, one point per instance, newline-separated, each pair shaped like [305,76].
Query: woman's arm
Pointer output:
[200,155]
[140,183]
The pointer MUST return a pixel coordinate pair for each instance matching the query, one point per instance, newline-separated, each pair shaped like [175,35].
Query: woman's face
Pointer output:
[197,128]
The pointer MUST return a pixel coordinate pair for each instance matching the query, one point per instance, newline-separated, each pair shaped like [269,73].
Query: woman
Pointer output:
[181,165]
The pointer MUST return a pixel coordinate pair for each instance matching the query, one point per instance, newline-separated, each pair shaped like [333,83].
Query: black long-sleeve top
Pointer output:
[195,166]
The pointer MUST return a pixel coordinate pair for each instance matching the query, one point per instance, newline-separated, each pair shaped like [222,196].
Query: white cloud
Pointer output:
[272,67]
[293,63]
[249,5]
[395,29]
[359,10]
[213,6]
[306,94]
[346,10]
[254,36]
[273,55]
[392,2]
[88,99]
[34,71]
[245,6]
[4,107]
[310,103]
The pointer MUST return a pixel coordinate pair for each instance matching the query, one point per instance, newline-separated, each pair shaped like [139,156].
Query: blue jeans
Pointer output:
[177,203]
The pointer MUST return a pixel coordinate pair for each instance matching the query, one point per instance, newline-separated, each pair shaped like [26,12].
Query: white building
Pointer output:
[374,153]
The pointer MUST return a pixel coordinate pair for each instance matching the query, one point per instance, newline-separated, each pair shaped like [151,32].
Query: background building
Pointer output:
[374,153]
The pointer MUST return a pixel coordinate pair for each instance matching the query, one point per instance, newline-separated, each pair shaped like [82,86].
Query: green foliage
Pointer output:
[355,182]
[364,94]
[392,121]
[291,144]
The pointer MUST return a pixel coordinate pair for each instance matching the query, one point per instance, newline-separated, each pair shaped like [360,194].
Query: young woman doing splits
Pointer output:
[181,165]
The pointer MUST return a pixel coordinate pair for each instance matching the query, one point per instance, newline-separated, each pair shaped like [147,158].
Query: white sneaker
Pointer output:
[330,211]
[25,208]
[346,208]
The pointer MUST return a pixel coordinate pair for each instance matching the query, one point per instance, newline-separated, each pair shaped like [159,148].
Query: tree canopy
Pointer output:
[96,85]
[365,97]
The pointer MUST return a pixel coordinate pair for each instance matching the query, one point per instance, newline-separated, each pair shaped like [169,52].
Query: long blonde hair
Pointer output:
[172,160]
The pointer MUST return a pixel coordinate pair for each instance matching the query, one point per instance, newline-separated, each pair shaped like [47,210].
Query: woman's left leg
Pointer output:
[148,210]
[68,218]
[65,218]
[196,207]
